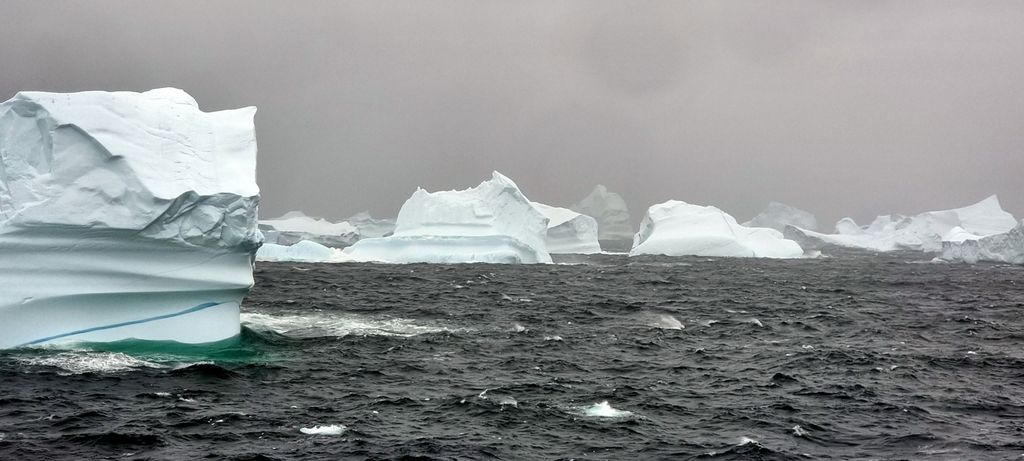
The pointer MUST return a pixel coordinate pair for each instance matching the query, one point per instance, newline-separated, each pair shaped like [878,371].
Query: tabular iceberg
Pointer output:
[779,215]
[610,211]
[124,215]
[677,228]
[1007,247]
[295,227]
[493,222]
[922,232]
[370,227]
[304,251]
[568,231]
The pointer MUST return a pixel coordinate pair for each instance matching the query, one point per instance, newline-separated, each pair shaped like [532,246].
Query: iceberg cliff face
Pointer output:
[677,228]
[568,231]
[295,227]
[124,215]
[493,222]
[1007,248]
[610,211]
[922,232]
[779,215]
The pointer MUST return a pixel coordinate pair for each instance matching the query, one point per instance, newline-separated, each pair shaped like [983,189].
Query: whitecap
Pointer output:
[333,429]
[320,324]
[668,322]
[754,321]
[79,362]
[605,410]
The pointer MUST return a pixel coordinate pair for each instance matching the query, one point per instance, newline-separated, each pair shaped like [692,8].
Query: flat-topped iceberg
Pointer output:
[493,223]
[1006,247]
[922,232]
[304,251]
[677,228]
[124,215]
[370,227]
[568,231]
[779,215]
[610,211]
[295,227]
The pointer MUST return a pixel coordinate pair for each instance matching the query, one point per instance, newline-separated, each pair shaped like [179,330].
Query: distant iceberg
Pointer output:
[492,223]
[610,211]
[1006,248]
[124,215]
[568,231]
[295,227]
[677,228]
[779,215]
[370,227]
[922,232]
[304,251]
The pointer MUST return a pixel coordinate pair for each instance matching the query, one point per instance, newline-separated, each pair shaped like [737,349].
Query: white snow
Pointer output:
[124,215]
[922,232]
[676,228]
[779,215]
[1007,248]
[304,251]
[492,223]
[610,211]
[568,231]
[295,226]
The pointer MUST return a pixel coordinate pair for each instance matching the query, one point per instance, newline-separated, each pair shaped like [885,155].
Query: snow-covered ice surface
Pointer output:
[610,211]
[1005,248]
[124,215]
[569,232]
[491,223]
[779,215]
[295,226]
[676,228]
[922,232]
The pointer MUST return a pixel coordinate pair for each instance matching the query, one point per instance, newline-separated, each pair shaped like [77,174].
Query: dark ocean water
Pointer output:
[882,357]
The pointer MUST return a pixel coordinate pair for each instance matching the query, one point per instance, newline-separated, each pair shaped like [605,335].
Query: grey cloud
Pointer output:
[841,108]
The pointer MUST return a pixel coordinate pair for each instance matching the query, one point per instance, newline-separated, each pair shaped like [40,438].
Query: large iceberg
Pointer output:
[370,227]
[568,231]
[922,232]
[493,222]
[124,215]
[779,215]
[1007,247]
[295,227]
[677,228]
[611,213]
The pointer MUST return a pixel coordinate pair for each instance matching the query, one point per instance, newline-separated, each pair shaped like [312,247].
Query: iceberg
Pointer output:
[370,227]
[491,223]
[568,231]
[779,215]
[124,215]
[922,232]
[1006,248]
[676,228]
[295,226]
[610,211]
[305,251]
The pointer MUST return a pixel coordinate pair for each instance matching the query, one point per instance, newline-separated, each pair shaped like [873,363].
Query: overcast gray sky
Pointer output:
[840,107]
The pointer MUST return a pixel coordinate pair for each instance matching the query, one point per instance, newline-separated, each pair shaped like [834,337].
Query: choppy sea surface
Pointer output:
[854,357]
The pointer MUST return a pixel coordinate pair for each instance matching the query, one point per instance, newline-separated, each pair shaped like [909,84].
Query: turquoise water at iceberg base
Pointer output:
[854,357]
